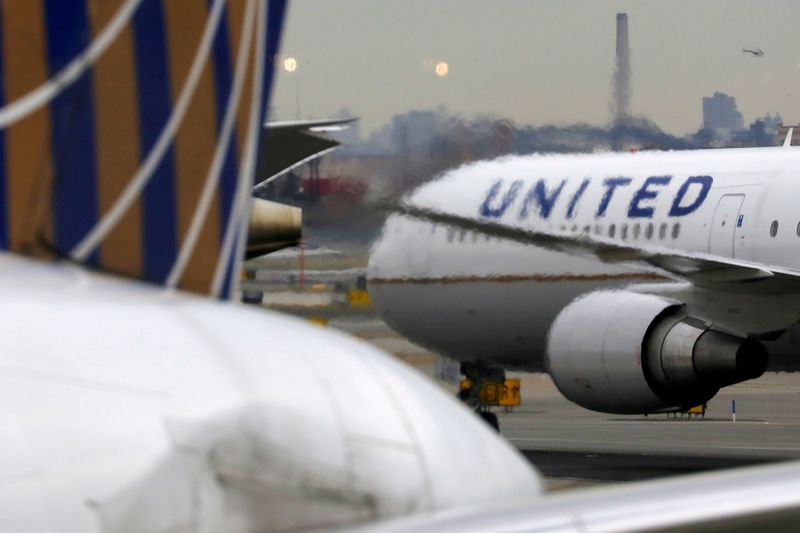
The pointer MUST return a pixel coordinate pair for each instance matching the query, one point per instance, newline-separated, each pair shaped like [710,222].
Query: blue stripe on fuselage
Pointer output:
[72,128]
[159,208]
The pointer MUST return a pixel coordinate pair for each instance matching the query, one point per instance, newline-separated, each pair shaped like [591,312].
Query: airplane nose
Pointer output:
[387,257]
[338,435]
[401,442]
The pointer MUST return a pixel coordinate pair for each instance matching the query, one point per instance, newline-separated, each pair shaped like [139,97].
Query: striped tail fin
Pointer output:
[128,132]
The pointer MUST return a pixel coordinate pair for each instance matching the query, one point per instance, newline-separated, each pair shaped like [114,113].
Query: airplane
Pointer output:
[131,397]
[642,283]
[135,394]
[284,146]
[756,52]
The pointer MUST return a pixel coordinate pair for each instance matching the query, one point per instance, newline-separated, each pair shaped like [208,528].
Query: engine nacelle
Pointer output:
[630,353]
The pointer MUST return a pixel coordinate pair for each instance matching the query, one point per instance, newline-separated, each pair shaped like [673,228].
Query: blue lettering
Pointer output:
[611,184]
[575,197]
[678,210]
[539,193]
[487,210]
[635,210]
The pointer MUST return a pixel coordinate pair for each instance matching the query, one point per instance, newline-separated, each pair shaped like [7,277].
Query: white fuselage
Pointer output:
[476,298]
[128,408]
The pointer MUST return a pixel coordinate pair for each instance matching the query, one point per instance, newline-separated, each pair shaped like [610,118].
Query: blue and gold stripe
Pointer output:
[72,131]
[159,227]
[116,107]
[3,181]
[65,165]
[224,60]
[28,167]
[196,139]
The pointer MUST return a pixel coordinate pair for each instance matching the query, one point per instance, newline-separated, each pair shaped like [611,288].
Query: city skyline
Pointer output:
[537,63]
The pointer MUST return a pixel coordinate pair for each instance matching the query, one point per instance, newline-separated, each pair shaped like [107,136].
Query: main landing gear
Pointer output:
[480,389]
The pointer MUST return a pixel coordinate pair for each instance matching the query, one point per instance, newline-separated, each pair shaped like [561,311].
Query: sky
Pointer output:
[537,62]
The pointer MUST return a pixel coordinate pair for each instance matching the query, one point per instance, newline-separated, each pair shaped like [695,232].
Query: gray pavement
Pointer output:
[573,446]
[767,423]
[613,467]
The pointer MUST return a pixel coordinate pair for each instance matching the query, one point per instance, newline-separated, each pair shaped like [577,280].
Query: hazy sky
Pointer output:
[538,62]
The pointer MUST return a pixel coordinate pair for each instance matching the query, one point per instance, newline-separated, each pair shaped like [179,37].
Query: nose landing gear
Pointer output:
[481,390]
[491,419]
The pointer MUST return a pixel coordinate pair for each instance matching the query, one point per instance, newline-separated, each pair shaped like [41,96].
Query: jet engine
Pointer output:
[630,353]
[273,226]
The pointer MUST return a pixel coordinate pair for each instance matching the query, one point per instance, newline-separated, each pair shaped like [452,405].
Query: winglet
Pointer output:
[787,142]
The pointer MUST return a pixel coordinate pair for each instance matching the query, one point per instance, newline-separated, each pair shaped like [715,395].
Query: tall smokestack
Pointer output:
[622,72]
[622,79]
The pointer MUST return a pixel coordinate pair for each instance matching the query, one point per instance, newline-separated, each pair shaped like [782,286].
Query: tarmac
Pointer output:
[573,446]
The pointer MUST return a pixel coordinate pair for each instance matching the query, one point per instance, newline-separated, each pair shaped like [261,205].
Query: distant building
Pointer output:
[771,124]
[721,115]
[414,129]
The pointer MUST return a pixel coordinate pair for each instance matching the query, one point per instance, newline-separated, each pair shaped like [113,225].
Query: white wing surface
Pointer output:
[764,498]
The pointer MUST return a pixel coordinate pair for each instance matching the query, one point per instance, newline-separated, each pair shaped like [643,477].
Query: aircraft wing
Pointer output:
[294,143]
[699,268]
[765,498]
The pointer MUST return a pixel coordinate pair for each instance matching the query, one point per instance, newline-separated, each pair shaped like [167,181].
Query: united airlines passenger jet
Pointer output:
[641,282]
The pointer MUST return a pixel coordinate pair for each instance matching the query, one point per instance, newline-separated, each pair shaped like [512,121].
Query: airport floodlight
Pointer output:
[290,64]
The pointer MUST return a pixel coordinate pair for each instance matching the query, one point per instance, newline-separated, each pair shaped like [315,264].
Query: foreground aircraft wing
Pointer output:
[701,269]
[294,143]
[765,498]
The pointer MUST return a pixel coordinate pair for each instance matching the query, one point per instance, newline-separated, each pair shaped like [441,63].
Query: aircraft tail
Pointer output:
[128,133]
